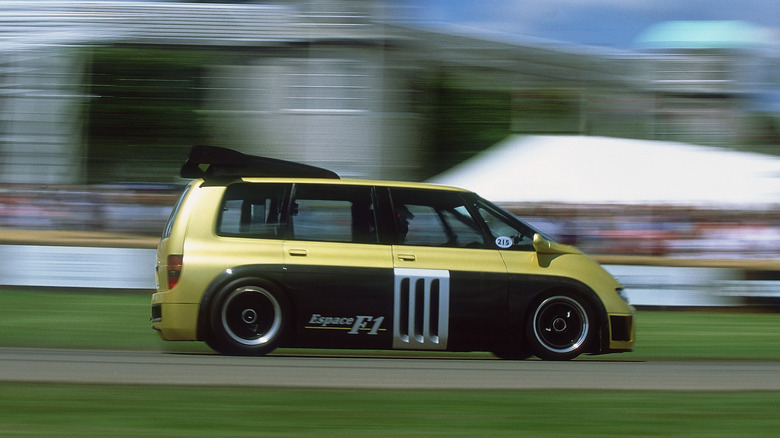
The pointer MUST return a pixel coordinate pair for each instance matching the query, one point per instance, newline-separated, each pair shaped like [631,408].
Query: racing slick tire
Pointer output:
[248,317]
[513,354]
[560,327]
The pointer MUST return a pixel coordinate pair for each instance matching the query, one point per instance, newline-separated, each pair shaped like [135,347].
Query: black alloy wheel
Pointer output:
[560,327]
[248,318]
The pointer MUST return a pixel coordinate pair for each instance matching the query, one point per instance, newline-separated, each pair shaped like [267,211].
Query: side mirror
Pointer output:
[543,245]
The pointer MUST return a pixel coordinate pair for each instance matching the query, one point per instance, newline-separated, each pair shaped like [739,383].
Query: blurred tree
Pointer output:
[461,121]
[143,113]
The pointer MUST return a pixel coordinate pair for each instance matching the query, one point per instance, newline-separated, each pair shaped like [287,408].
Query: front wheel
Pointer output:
[248,318]
[560,327]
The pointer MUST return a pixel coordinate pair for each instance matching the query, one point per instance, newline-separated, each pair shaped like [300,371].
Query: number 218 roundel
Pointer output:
[261,253]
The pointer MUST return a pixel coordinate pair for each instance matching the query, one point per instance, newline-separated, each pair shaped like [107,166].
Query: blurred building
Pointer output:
[712,82]
[117,91]
[325,82]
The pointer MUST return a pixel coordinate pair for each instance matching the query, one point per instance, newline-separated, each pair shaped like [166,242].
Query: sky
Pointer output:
[610,23]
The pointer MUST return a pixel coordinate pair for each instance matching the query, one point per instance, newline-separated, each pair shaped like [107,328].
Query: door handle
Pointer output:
[407,257]
[298,252]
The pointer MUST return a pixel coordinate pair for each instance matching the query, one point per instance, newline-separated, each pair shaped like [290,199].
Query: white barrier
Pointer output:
[673,286]
[130,268]
[76,266]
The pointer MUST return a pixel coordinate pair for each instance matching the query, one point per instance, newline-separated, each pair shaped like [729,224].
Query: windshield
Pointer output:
[508,231]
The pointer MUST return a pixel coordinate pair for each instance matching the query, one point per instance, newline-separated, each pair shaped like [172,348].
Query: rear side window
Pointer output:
[253,210]
[174,214]
[333,213]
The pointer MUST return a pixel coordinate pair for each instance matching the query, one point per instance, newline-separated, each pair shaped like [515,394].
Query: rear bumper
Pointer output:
[175,321]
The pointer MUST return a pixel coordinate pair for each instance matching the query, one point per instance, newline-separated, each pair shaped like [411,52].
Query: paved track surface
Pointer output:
[155,368]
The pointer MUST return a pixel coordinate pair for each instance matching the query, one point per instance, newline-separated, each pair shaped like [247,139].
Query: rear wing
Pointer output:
[216,162]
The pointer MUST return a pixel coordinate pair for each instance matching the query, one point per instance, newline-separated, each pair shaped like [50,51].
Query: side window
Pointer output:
[333,213]
[434,218]
[252,210]
[508,232]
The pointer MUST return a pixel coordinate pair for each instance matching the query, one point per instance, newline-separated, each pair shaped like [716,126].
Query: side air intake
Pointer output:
[421,309]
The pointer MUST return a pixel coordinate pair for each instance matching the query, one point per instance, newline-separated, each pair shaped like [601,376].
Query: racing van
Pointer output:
[261,253]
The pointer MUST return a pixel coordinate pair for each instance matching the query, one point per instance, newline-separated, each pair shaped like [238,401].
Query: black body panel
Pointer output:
[347,307]
[341,307]
[478,311]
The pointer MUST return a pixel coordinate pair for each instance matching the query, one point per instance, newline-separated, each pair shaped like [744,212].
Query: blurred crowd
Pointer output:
[670,231]
[134,209]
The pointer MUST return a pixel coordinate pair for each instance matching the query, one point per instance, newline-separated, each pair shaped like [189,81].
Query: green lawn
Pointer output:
[111,320]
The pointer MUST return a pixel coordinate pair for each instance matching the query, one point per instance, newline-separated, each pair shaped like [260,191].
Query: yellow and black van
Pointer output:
[261,253]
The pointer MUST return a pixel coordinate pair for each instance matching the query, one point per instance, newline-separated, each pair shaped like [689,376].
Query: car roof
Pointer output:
[353,182]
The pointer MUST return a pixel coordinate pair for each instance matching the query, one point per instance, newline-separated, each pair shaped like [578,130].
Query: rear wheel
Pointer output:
[248,318]
[560,327]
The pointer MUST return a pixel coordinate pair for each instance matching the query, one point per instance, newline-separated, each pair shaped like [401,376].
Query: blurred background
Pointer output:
[628,129]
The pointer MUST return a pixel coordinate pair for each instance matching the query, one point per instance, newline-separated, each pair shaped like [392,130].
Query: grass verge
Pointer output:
[98,411]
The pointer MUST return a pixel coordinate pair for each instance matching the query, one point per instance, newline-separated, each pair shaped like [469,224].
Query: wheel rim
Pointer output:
[251,316]
[561,324]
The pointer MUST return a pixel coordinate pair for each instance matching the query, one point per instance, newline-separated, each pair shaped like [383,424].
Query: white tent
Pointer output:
[600,170]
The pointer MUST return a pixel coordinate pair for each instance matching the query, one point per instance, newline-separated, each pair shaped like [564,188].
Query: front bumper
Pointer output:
[621,333]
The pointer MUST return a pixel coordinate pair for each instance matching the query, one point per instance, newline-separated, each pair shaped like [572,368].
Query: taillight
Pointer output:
[174,270]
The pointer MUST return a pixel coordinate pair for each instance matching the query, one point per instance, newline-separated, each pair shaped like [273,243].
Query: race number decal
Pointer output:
[504,242]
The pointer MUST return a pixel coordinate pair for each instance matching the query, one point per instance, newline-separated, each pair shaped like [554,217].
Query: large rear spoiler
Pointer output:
[216,162]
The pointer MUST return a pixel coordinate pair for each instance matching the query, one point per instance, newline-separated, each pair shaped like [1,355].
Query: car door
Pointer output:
[339,275]
[450,284]
[526,273]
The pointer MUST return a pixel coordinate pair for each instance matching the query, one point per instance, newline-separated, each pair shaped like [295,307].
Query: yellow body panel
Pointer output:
[178,320]
[453,259]
[337,254]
